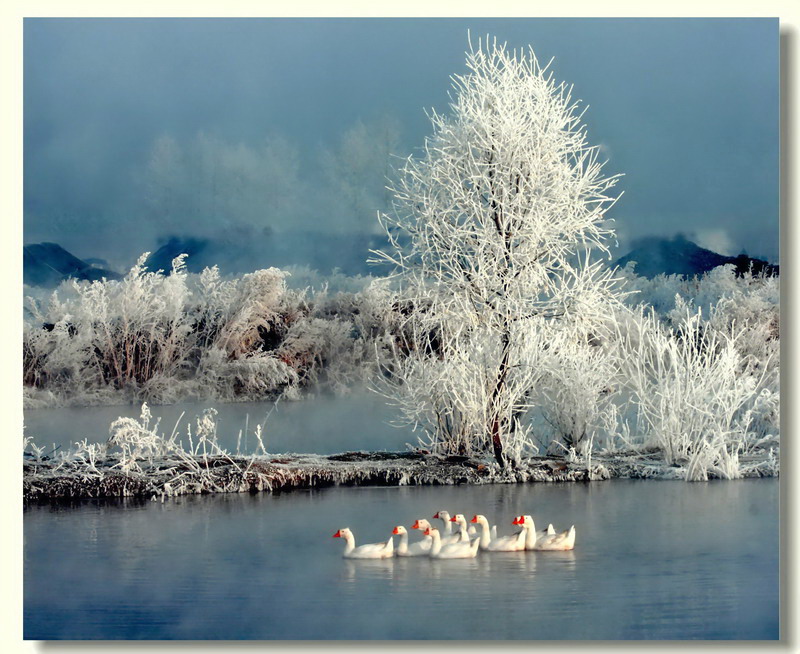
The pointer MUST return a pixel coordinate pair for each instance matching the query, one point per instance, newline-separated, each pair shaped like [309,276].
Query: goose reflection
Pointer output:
[453,569]
[366,569]
[566,559]
[498,565]
[507,564]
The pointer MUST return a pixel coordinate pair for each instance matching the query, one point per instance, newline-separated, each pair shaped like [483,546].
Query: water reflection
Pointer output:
[491,565]
[454,570]
[567,560]
[515,564]
[361,569]
[399,569]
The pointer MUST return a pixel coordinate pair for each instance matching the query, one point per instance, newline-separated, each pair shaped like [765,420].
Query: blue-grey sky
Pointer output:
[686,108]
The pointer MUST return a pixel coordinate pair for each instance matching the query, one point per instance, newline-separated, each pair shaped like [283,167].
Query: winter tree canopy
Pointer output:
[493,230]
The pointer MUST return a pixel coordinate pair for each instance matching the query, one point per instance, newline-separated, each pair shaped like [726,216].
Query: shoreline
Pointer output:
[47,481]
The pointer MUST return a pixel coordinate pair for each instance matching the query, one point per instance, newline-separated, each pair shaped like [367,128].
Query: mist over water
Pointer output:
[327,424]
[273,135]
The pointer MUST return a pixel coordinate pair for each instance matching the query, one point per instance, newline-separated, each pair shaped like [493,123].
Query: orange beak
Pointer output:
[516,522]
[338,534]
[416,525]
[453,519]
[436,516]
[474,519]
[395,530]
[428,531]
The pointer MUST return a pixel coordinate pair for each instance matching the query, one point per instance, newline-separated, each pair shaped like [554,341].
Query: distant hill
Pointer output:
[679,256]
[48,264]
[235,252]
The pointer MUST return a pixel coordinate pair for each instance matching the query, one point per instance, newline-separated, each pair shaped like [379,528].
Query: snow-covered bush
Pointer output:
[741,310]
[163,338]
[367,322]
[751,302]
[109,334]
[446,390]
[180,463]
[575,396]
[690,391]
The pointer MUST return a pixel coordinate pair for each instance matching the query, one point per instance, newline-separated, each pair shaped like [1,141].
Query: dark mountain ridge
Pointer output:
[48,264]
[654,255]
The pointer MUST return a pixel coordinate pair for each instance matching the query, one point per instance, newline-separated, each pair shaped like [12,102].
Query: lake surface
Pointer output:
[323,424]
[653,560]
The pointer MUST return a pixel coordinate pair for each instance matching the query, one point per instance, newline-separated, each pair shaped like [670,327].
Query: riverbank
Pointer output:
[52,480]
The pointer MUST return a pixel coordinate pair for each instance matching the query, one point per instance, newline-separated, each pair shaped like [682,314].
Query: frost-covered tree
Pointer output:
[492,229]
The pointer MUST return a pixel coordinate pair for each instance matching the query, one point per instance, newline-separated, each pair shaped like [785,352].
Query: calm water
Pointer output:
[325,424]
[658,560]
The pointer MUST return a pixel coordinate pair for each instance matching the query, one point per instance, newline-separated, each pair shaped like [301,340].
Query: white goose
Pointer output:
[510,543]
[370,551]
[487,535]
[454,550]
[447,529]
[531,535]
[461,521]
[554,541]
[446,534]
[420,548]
[422,524]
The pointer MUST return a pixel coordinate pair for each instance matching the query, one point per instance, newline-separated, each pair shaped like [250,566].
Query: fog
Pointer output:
[276,135]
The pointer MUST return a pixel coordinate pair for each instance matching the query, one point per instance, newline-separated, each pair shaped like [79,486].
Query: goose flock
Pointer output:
[463,542]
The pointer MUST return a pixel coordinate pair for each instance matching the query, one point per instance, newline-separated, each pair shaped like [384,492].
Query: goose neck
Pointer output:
[530,534]
[436,545]
[486,535]
[402,546]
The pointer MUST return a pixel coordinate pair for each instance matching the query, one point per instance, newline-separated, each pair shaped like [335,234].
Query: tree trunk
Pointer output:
[495,429]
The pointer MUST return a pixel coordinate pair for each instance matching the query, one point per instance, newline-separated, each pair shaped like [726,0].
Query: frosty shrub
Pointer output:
[691,391]
[137,448]
[136,439]
[576,394]
[164,338]
[241,323]
[134,443]
[747,303]
[109,335]
[740,310]
[357,331]
[502,213]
